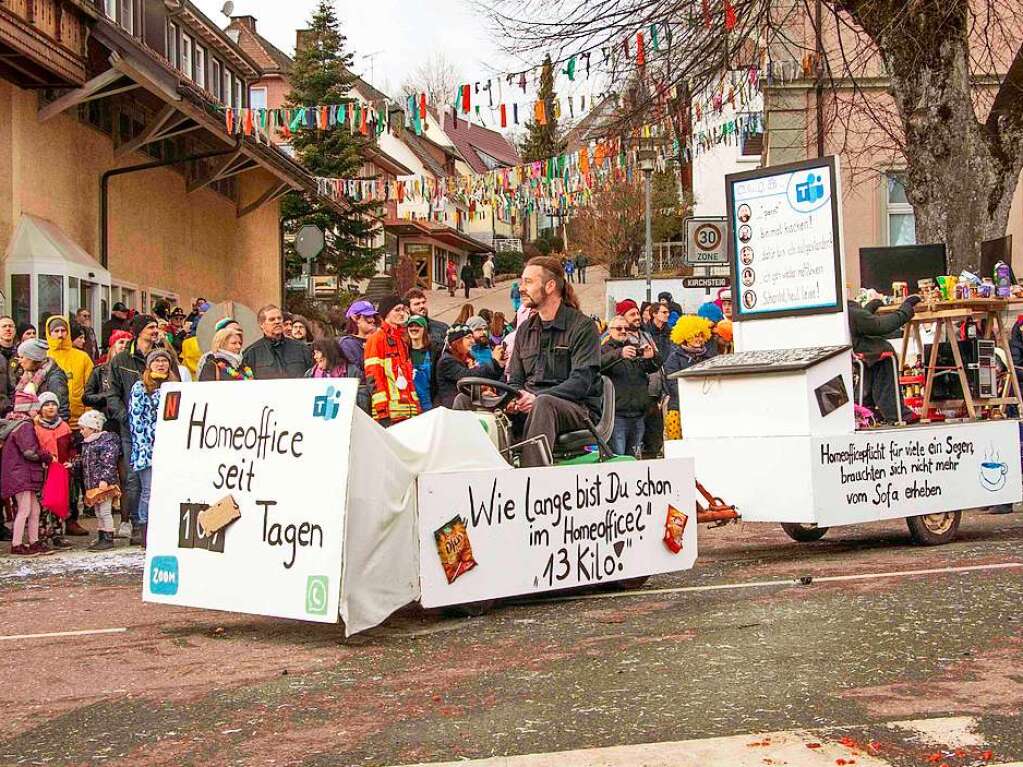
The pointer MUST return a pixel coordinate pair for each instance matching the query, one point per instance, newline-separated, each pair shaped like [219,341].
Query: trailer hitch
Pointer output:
[716,511]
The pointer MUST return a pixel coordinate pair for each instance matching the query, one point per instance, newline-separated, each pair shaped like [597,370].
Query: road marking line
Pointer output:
[809,747]
[52,634]
[768,584]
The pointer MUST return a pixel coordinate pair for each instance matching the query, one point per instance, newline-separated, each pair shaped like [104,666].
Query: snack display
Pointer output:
[454,549]
[674,529]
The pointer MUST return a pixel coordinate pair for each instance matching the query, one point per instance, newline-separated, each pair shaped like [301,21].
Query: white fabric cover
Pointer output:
[381,554]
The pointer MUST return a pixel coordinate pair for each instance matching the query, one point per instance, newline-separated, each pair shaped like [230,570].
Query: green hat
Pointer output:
[418,319]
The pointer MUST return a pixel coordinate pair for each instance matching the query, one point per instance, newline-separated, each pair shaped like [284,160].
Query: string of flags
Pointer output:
[563,183]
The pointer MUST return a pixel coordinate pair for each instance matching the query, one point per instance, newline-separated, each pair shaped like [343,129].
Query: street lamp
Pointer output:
[646,164]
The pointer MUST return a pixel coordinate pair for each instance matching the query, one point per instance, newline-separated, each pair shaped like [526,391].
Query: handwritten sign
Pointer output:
[490,534]
[279,451]
[894,473]
[784,246]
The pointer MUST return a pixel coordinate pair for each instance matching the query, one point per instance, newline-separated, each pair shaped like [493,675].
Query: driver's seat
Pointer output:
[575,442]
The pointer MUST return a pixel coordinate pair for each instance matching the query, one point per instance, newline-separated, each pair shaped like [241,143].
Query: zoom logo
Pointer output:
[327,406]
[317,590]
[163,576]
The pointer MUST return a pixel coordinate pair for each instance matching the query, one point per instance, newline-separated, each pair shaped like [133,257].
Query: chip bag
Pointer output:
[674,529]
[454,549]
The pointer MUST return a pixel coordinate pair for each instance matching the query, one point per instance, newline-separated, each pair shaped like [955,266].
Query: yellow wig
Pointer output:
[688,327]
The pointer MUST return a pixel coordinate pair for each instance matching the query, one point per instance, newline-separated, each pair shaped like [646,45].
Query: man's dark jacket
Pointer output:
[629,376]
[562,359]
[869,331]
[125,369]
[282,358]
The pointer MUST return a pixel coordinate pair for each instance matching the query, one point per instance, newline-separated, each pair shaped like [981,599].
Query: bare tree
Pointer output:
[437,77]
[934,86]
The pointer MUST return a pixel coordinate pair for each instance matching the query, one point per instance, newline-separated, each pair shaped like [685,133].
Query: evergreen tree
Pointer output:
[321,74]
[544,140]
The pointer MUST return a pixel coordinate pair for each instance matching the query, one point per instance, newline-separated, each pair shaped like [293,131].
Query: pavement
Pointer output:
[498,299]
[859,649]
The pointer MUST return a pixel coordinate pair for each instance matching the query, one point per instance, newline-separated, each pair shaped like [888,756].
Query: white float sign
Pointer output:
[271,459]
[887,474]
[490,534]
[784,241]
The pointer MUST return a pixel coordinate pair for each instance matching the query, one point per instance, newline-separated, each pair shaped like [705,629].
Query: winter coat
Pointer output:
[389,374]
[681,359]
[125,370]
[437,331]
[283,358]
[143,407]
[99,390]
[51,379]
[57,441]
[23,463]
[353,349]
[467,275]
[99,459]
[216,369]
[6,389]
[76,364]
[425,372]
[1016,343]
[869,330]
[629,377]
[661,338]
[451,370]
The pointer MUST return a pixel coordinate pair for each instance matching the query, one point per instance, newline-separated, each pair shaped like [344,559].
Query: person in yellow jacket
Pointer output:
[191,353]
[74,362]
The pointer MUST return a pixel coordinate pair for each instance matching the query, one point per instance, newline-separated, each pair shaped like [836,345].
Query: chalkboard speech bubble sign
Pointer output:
[784,246]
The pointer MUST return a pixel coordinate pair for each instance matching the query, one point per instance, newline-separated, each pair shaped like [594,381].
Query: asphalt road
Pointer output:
[846,657]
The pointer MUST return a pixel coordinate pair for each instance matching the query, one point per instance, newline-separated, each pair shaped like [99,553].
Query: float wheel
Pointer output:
[803,533]
[934,529]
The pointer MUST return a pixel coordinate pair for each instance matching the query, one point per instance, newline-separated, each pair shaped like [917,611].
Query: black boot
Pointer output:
[137,534]
[104,542]
[5,533]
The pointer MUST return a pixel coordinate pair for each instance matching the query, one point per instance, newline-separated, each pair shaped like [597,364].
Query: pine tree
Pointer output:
[544,140]
[321,74]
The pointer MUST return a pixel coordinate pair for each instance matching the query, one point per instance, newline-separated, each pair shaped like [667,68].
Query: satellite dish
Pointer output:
[228,8]
[244,315]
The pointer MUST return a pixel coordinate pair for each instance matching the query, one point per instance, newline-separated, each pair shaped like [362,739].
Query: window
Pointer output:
[216,80]
[257,98]
[51,297]
[172,44]
[73,298]
[227,87]
[901,221]
[127,18]
[21,298]
[186,56]
[110,9]
[236,102]
[200,66]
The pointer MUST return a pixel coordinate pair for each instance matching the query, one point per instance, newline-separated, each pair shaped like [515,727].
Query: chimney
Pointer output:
[247,22]
[302,38]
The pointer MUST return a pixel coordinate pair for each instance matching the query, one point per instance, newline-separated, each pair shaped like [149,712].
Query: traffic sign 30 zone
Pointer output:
[705,241]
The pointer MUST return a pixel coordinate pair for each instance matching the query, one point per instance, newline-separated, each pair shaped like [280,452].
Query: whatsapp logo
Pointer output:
[317,587]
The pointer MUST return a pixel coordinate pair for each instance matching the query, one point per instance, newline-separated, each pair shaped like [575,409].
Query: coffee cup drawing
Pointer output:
[993,474]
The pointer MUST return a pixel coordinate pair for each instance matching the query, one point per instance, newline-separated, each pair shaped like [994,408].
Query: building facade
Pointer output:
[113,145]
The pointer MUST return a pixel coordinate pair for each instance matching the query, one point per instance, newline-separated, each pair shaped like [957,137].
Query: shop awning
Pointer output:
[39,245]
[445,235]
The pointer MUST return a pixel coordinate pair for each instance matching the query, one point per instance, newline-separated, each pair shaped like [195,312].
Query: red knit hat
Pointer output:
[117,335]
[624,306]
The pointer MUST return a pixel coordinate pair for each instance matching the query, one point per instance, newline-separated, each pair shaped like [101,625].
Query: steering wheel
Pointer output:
[472,387]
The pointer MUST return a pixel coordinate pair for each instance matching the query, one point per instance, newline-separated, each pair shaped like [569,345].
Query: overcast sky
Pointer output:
[400,33]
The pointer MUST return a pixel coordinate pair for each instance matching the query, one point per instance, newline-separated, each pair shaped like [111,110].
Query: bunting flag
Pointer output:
[730,18]
[640,50]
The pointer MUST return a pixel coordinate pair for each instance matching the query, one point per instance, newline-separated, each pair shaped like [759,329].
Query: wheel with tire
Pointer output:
[803,533]
[934,529]
[471,609]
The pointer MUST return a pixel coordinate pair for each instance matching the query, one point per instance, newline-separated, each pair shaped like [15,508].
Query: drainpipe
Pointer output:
[104,204]
[819,87]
